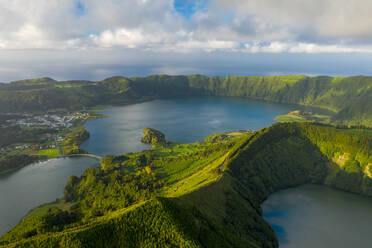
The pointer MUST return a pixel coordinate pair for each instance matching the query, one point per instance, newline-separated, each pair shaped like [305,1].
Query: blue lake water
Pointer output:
[181,120]
[316,216]
[34,185]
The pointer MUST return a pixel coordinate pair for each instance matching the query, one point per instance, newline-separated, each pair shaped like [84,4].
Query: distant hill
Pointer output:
[206,194]
[348,98]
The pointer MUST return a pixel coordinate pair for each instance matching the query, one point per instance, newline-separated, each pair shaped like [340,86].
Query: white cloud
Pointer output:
[205,45]
[29,32]
[37,35]
[317,19]
[124,37]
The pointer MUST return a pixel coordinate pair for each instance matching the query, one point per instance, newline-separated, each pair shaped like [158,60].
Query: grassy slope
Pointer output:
[215,201]
[303,116]
[50,153]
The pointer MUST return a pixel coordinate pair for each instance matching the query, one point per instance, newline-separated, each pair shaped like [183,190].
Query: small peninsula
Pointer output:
[153,137]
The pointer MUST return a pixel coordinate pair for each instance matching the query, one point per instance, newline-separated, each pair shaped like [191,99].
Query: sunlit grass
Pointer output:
[50,153]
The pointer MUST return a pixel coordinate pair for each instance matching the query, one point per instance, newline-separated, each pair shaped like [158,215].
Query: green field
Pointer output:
[286,118]
[303,116]
[50,153]
[359,131]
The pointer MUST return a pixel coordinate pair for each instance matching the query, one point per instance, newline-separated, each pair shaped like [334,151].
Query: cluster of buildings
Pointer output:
[16,147]
[11,148]
[51,121]
[27,146]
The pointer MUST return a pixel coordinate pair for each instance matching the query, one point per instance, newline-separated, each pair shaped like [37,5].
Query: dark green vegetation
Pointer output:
[204,194]
[14,162]
[45,94]
[5,117]
[14,134]
[348,97]
[73,141]
[153,137]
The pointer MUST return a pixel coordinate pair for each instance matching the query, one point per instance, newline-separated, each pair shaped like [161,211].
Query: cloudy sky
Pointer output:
[94,39]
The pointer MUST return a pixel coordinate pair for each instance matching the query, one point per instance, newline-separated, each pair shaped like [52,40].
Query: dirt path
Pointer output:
[367,170]
[84,155]
[59,148]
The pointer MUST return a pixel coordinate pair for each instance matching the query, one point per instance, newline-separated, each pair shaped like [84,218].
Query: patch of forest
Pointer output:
[204,194]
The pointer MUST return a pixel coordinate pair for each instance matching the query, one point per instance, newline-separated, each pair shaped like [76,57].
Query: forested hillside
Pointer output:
[348,97]
[204,194]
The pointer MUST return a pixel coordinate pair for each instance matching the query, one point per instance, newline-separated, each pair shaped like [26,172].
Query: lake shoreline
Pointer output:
[316,211]
[215,114]
[99,108]
[94,114]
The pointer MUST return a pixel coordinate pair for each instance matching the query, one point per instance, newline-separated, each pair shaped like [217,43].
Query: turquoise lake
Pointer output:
[181,120]
[34,185]
[317,216]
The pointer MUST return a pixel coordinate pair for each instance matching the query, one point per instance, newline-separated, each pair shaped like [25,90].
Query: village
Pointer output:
[53,121]
[55,125]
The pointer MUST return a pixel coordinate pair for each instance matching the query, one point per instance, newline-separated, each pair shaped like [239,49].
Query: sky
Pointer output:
[96,39]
